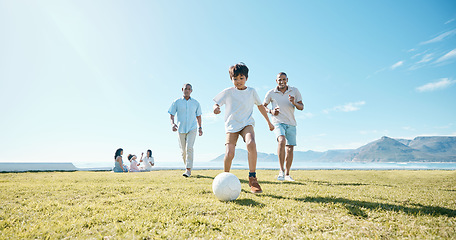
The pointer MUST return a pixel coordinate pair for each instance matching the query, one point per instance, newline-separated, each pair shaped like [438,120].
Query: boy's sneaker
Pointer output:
[288,178]
[281,176]
[187,173]
[254,185]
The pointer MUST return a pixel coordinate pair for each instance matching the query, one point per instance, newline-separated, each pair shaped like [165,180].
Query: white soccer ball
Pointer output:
[226,186]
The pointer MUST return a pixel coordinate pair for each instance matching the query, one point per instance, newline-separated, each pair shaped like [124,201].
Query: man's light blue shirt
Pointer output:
[187,111]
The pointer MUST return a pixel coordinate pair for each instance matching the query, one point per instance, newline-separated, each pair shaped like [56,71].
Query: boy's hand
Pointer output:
[275,111]
[217,109]
[271,127]
[174,127]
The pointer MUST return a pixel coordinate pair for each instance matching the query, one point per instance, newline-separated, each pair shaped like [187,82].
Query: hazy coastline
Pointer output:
[43,167]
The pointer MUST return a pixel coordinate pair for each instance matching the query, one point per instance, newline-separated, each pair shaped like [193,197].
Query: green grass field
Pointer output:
[165,205]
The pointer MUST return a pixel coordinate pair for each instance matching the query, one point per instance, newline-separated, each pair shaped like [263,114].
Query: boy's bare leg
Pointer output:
[281,151]
[229,155]
[289,159]
[252,151]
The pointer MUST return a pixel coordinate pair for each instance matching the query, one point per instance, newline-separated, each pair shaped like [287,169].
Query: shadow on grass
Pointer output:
[448,190]
[273,196]
[202,176]
[354,207]
[327,183]
[336,184]
[248,202]
[275,182]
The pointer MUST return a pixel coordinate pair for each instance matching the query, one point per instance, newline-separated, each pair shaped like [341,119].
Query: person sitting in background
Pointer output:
[148,161]
[119,166]
[133,163]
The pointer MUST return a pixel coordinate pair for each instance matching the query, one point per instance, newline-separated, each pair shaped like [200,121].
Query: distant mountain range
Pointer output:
[385,149]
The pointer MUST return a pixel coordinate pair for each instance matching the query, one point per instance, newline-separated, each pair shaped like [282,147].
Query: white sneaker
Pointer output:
[280,177]
[187,173]
[288,178]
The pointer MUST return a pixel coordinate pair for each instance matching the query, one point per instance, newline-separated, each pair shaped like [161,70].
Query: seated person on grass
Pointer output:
[133,163]
[118,164]
[147,162]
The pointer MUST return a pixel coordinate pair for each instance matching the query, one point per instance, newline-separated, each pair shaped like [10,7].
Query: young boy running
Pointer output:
[239,101]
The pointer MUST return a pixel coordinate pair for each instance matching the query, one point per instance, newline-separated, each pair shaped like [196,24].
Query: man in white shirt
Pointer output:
[188,112]
[284,100]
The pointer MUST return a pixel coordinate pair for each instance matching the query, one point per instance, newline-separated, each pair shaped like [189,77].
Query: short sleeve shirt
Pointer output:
[187,111]
[148,161]
[239,107]
[134,165]
[279,99]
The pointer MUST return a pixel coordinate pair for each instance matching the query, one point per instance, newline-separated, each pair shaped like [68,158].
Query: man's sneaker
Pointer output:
[288,178]
[254,185]
[281,176]
[187,173]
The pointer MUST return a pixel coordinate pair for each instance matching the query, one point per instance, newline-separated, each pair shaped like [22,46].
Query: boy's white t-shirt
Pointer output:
[239,107]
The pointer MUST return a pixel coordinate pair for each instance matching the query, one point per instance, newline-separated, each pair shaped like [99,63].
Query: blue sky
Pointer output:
[78,79]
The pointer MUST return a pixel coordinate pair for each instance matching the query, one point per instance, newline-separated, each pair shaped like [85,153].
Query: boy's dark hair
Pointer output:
[149,152]
[239,69]
[130,156]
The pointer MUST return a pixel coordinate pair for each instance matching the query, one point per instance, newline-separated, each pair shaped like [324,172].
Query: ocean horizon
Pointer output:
[217,165]
[297,165]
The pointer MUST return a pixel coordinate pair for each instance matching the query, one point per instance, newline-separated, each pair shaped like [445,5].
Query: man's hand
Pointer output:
[275,111]
[200,131]
[271,127]
[217,109]
[174,127]
[291,99]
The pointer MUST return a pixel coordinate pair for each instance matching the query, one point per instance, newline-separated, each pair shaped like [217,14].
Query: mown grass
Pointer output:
[164,205]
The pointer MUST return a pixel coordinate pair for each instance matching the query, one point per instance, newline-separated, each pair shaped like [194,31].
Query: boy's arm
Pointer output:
[263,112]
[274,111]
